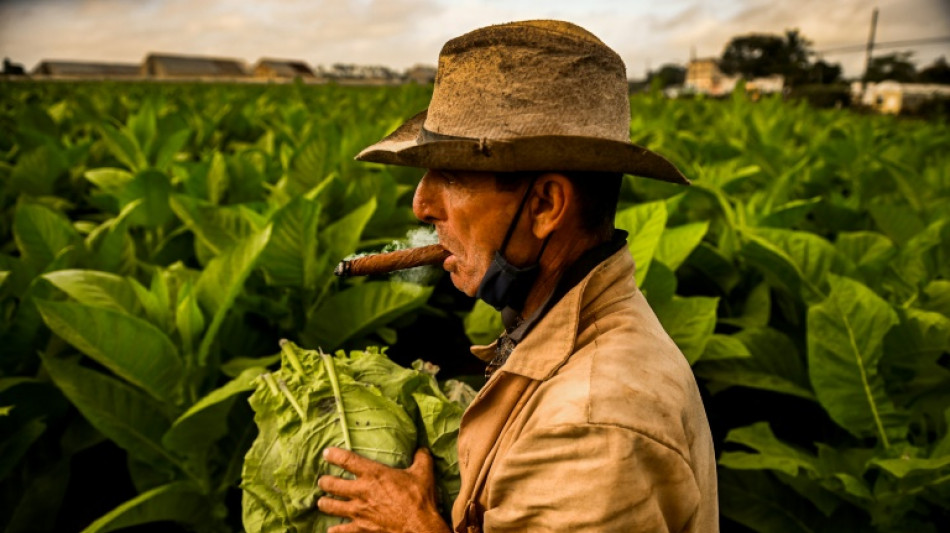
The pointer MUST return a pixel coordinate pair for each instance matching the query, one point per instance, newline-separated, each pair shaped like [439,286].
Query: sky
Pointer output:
[402,33]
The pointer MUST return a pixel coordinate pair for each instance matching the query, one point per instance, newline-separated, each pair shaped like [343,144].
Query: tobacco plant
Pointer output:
[159,239]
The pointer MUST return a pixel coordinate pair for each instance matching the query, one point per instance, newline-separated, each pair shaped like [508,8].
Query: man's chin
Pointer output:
[463,285]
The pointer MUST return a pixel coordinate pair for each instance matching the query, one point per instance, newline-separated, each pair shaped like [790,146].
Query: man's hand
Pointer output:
[382,499]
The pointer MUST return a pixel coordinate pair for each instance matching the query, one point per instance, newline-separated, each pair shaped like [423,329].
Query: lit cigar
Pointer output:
[391,261]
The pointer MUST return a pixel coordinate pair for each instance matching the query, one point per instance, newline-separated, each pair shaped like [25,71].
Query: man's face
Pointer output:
[471,215]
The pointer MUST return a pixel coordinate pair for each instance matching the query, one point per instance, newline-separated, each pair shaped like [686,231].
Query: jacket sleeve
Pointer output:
[591,478]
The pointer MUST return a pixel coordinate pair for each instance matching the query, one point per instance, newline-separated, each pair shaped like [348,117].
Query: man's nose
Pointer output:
[425,202]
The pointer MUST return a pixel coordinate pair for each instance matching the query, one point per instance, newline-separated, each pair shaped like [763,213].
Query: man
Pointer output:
[591,419]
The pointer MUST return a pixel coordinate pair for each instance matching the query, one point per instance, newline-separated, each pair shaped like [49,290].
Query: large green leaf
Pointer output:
[690,322]
[842,470]
[189,320]
[678,242]
[720,347]
[127,417]
[644,223]
[293,254]
[912,362]
[37,170]
[112,181]
[845,340]
[715,266]
[170,146]
[341,237]
[936,297]
[773,454]
[899,222]
[143,125]
[155,300]
[131,347]
[180,502]
[756,310]
[925,256]
[359,310]
[789,215]
[206,420]
[113,250]
[152,188]
[660,284]
[868,251]
[903,467]
[796,261]
[223,279]
[775,365]
[757,501]
[124,147]
[41,234]
[217,178]
[95,289]
[483,324]
[217,227]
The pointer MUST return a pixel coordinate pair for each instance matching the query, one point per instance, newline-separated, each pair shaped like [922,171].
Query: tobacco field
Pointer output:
[159,240]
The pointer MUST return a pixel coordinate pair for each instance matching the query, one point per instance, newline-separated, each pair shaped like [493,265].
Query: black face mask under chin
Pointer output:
[505,285]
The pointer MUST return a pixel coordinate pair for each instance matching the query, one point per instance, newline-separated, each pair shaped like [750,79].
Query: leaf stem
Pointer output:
[863,374]
[271,384]
[331,371]
[293,401]
[287,347]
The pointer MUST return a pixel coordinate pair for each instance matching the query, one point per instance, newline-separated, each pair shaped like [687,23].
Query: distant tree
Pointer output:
[822,72]
[797,50]
[759,55]
[937,72]
[896,66]
[667,76]
[752,56]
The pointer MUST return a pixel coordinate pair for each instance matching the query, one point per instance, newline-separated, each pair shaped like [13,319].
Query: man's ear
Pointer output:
[554,197]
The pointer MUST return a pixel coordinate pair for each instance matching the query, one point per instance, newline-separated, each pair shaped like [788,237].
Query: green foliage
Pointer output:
[159,240]
[825,263]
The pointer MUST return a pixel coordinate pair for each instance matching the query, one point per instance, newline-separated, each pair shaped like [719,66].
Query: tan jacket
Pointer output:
[594,423]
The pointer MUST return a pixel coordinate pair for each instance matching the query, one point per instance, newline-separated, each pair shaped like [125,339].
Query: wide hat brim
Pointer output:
[411,145]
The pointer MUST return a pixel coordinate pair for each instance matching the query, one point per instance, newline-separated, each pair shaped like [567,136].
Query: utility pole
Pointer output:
[867,59]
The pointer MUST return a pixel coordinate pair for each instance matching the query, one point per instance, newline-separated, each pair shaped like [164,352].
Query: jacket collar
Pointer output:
[550,342]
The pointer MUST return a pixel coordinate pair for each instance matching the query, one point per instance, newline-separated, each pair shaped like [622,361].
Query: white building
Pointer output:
[894,97]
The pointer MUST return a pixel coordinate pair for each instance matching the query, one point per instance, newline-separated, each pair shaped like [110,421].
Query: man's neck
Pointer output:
[562,252]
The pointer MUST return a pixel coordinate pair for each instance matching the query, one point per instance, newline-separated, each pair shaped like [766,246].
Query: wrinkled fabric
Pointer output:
[594,423]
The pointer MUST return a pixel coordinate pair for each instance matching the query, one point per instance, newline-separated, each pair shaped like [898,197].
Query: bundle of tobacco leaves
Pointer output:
[359,401]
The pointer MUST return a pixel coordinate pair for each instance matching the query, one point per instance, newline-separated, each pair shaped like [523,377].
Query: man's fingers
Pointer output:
[339,486]
[333,506]
[422,464]
[349,461]
[352,527]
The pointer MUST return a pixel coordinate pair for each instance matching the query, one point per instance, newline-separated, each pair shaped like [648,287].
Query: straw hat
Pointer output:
[534,95]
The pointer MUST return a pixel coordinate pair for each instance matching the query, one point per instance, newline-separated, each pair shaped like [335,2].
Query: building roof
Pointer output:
[176,65]
[83,68]
[285,68]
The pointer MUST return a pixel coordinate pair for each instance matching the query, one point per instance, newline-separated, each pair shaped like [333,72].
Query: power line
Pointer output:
[891,44]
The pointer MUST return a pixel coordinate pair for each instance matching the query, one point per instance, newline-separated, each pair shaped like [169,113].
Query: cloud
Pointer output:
[400,33]
[827,24]
[115,30]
